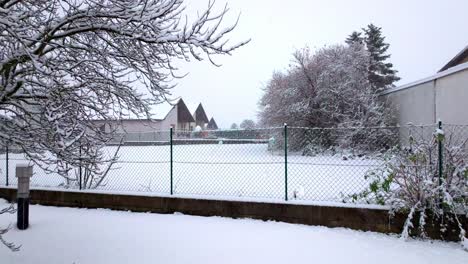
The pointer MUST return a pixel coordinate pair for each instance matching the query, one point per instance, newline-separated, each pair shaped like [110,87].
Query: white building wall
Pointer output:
[452,98]
[413,105]
[170,120]
[130,126]
[444,97]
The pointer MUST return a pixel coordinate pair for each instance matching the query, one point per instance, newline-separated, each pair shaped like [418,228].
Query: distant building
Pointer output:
[212,124]
[200,117]
[178,117]
[442,96]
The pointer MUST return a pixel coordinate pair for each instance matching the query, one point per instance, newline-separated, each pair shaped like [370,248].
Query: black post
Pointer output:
[439,139]
[285,161]
[171,160]
[79,169]
[7,171]
[24,174]
[23,213]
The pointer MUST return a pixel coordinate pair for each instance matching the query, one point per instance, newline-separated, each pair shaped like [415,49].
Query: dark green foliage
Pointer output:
[381,72]
[355,38]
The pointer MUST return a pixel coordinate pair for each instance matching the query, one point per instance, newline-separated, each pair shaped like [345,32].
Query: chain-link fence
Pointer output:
[284,163]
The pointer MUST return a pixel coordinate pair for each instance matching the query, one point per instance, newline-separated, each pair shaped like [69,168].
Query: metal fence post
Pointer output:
[440,138]
[7,157]
[80,172]
[286,161]
[171,160]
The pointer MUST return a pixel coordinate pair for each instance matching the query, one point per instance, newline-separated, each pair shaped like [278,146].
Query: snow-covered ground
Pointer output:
[227,170]
[81,236]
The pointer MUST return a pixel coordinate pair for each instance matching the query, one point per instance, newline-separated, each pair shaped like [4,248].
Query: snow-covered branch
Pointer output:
[329,88]
[64,63]
[8,210]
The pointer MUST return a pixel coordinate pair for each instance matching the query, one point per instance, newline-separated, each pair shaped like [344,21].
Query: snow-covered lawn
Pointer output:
[227,170]
[68,235]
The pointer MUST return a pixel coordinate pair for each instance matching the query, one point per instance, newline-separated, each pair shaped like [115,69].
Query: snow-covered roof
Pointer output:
[455,69]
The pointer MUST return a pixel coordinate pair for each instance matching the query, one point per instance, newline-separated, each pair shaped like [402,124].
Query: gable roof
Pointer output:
[461,57]
[183,114]
[158,112]
[200,115]
[212,124]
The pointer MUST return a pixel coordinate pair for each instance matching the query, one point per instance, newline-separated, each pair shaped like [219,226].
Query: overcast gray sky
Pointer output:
[423,36]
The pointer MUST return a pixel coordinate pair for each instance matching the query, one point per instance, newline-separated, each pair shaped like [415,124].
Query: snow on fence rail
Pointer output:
[293,163]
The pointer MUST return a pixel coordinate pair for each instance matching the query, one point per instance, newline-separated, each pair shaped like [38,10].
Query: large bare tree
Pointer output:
[328,89]
[64,63]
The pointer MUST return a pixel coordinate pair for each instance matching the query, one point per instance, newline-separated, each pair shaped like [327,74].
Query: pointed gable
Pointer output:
[200,115]
[183,114]
[212,124]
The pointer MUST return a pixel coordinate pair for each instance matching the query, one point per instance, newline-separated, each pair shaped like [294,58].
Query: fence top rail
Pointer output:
[233,130]
[277,128]
[364,127]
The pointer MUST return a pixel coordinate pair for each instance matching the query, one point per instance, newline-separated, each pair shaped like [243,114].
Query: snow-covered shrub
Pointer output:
[328,90]
[355,142]
[410,180]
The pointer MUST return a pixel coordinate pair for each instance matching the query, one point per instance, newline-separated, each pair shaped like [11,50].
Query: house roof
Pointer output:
[452,70]
[183,114]
[458,59]
[159,112]
[212,124]
[200,115]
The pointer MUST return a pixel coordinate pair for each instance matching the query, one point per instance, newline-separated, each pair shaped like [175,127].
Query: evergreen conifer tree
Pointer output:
[381,73]
[354,37]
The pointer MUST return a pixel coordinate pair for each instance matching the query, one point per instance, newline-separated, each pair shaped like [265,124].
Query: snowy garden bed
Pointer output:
[66,235]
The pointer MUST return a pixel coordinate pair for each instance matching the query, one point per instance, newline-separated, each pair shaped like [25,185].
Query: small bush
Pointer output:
[410,181]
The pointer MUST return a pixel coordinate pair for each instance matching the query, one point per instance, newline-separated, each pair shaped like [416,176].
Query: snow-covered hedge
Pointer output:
[427,176]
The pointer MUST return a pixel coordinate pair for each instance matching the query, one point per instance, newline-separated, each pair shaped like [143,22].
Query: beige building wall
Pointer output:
[452,98]
[414,105]
[131,126]
[170,120]
[444,98]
